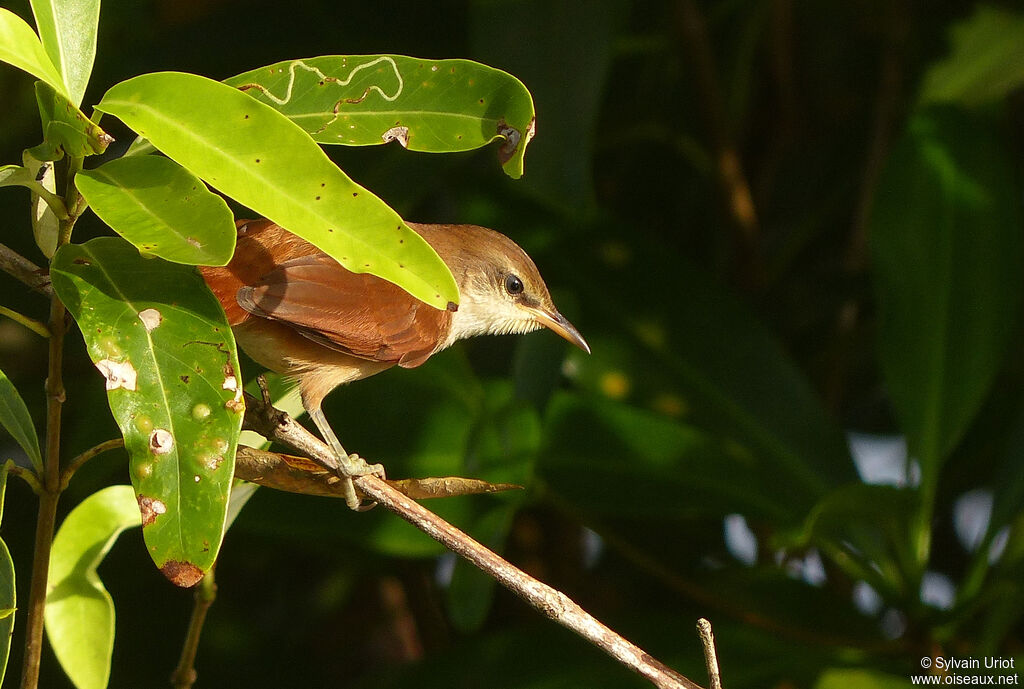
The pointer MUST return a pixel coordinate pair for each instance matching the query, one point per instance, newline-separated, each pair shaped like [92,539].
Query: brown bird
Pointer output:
[297,311]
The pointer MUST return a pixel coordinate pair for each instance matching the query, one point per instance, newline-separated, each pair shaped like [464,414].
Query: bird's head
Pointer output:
[501,290]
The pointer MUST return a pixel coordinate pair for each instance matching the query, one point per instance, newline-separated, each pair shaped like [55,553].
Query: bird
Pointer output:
[297,311]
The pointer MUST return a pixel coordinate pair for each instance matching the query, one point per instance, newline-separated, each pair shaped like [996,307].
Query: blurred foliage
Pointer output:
[776,223]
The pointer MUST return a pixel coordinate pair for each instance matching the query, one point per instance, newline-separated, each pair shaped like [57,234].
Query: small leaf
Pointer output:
[79,610]
[16,175]
[8,599]
[161,340]
[20,47]
[66,129]
[67,29]
[986,61]
[17,421]
[438,106]
[946,249]
[255,155]
[45,225]
[162,209]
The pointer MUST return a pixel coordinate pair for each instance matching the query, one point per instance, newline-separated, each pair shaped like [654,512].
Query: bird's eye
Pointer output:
[513,285]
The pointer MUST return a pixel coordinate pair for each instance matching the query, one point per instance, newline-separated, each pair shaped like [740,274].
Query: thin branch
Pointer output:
[552,603]
[20,268]
[25,474]
[76,463]
[32,324]
[184,675]
[707,639]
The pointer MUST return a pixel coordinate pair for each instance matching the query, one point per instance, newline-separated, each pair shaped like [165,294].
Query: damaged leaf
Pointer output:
[79,610]
[66,129]
[248,151]
[161,342]
[437,106]
[161,208]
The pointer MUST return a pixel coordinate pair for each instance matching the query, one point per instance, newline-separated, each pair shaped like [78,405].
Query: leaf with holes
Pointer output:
[79,610]
[252,153]
[438,106]
[161,208]
[168,356]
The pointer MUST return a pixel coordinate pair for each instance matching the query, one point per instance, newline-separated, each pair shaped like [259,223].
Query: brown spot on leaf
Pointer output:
[183,574]
[452,306]
[119,374]
[150,508]
[161,441]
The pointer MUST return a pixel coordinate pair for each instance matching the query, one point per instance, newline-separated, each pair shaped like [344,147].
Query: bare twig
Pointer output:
[550,602]
[184,675]
[707,639]
[19,267]
[76,463]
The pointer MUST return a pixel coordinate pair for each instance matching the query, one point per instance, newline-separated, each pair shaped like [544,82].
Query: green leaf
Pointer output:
[67,29]
[160,339]
[946,247]
[17,421]
[20,47]
[252,153]
[79,610]
[8,593]
[16,175]
[45,225]
[438,106]
[162,209]
[866,530]
[609,459]
[986,61]
[66,129]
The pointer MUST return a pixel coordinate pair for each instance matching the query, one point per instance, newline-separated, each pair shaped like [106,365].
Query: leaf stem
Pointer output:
[184,676]
[30,323]
[27,475]
[76,463]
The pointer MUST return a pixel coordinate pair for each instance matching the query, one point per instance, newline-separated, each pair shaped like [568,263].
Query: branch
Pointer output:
[707,639]
[17,266]
[552,603]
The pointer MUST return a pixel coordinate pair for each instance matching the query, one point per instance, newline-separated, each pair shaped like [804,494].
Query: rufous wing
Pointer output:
[355,313]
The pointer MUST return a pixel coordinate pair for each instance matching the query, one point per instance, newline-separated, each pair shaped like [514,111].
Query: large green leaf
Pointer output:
[67,29]
[946,247]
[66,129]
[8,597]
[257,156]
[696,356]
[20,47]
[14,417]
[162,209]
[79,610]
[161,341]
[986,62]
[436,106]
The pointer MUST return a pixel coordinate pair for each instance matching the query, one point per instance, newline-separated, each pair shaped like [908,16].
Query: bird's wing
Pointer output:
[355,313]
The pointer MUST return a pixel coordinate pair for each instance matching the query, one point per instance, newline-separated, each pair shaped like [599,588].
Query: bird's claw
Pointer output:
[352,466]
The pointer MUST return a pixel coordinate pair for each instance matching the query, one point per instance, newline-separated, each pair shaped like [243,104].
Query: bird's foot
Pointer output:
[352,466]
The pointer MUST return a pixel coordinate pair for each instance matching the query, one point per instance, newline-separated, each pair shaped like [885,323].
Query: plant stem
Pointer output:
[50,479]
[184,676]
[30,323]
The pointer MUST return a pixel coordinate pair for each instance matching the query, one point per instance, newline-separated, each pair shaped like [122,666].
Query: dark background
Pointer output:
[695,305]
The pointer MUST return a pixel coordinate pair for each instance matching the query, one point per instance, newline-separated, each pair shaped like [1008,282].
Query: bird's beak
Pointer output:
[557,322]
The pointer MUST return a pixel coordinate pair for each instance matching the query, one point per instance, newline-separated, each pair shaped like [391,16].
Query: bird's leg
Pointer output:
[349,465]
